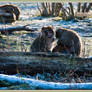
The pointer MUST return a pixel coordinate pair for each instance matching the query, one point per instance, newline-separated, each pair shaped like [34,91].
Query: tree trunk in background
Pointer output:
[89,6]
[67,13]
[58,8]
[53,8]
[50,9]
[79,7]
[64,16]
[44,11]
[84,7]
[71,11]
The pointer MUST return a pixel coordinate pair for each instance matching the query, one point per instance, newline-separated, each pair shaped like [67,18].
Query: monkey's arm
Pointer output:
[58,48]
[35,47]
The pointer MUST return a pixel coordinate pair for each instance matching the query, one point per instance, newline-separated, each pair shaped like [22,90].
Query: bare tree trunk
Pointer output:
[58,8]
[79,7]
[72,10]
[89,6]
[53,8]
[67,13]
[40,10]
[84,7]
[64,16]
[50,9]
[44,11]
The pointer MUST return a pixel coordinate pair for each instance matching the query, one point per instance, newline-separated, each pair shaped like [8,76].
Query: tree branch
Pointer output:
[17,28]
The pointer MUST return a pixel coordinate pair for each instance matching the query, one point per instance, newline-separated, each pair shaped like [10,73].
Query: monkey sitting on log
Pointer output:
[43,42]
[69,42]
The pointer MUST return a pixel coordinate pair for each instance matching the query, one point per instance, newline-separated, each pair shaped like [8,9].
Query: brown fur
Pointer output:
[43,43]
[68,42]
[13,10]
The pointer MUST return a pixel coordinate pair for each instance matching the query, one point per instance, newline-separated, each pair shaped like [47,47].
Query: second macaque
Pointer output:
[69,42]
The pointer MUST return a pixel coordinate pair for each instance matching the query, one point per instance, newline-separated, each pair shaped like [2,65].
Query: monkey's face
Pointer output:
[48,32]
[48,35]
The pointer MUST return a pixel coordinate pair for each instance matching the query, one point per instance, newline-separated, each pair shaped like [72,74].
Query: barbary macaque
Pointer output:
[43,42]
[9,9]
[69,42]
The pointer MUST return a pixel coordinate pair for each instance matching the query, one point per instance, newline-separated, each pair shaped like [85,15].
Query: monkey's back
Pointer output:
[68,37]
[11,9]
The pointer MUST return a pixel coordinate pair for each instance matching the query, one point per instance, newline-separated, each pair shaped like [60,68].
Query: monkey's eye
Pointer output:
[49,33]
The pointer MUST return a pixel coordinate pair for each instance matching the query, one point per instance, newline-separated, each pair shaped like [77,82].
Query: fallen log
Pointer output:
[32,63]
[11,29]
[45,85]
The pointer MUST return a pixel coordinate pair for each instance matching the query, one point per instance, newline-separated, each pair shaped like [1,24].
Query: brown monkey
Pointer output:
[69,42]
[43,42]
[11,9]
